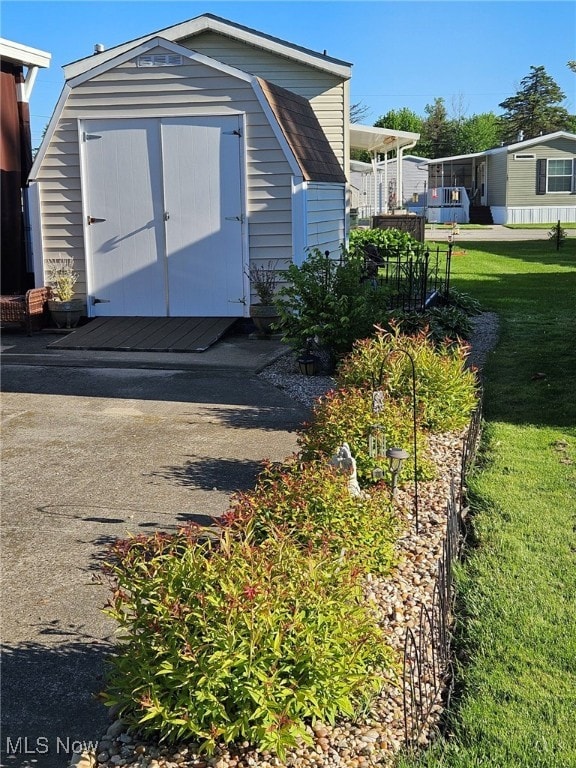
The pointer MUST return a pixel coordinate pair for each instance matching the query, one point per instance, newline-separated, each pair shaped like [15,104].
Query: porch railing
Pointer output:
[448,204]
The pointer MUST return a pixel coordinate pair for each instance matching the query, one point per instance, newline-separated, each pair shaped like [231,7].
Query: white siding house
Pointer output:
[174,161]
[374,193]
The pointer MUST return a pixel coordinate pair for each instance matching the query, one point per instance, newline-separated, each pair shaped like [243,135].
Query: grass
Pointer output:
[516,636]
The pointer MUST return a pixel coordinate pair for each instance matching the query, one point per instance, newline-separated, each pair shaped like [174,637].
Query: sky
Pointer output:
[405,53]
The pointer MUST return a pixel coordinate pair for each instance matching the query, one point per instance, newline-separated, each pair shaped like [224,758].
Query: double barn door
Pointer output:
[164,213]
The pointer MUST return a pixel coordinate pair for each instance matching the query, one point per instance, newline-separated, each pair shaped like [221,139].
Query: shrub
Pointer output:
[445,388]
[443,322]
[232,640]
[386,240]
[448,323]
[463,301]
[326,300]
[311,503]
[346,415]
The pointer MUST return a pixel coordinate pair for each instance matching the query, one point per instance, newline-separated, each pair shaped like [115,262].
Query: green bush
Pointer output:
[326,300]
[446,391]
[386,240]
[463,301]
[447,320]
[311,503]
[234,641]
[346,415]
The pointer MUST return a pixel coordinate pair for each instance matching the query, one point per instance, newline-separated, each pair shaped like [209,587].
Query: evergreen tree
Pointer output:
[438,134]
[535,109]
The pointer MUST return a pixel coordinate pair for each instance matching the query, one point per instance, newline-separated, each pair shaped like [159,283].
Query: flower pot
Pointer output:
[66,314]
[263,316]
[308,365]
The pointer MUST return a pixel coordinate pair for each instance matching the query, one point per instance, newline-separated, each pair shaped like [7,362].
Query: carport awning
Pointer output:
[380,140]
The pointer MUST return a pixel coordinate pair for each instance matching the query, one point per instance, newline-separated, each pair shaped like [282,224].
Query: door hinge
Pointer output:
[90,136]
[235,218]
[93,220]
[235,132]
[94,300]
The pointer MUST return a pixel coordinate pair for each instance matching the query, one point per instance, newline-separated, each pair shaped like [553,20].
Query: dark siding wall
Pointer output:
[15,163]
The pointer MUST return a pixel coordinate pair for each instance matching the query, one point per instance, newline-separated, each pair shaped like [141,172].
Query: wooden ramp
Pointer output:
[147,334]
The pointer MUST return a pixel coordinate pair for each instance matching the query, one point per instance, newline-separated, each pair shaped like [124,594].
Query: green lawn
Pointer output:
[516,636]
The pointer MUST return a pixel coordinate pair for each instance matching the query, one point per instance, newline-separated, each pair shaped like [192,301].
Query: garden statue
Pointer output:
[346,463]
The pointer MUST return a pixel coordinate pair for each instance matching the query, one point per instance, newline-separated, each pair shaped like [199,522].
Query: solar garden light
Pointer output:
[396,458]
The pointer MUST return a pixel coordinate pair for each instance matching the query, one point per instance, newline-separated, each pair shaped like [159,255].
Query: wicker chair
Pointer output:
[27,310]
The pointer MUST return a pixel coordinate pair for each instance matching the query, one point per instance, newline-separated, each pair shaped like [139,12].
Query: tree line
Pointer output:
[533,111]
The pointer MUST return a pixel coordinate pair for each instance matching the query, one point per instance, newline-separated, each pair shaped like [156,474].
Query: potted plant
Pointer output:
[61,277]
[308,362]
[264,280]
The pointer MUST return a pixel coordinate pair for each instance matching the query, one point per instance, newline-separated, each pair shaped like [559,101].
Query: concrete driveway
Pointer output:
[91,453]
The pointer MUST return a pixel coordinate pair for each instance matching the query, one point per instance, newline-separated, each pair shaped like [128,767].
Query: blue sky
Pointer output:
[405,53]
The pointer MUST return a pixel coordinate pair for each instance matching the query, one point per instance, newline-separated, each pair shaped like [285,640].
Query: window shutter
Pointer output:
[574,177]
[541,177]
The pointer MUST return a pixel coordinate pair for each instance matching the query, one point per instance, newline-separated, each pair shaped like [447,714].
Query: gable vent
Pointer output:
[160,60]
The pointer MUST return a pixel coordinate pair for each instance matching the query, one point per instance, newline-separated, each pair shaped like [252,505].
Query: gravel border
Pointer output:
[283,372]
[377,736]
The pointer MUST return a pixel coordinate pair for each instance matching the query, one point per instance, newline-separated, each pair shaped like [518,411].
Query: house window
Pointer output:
[559,176]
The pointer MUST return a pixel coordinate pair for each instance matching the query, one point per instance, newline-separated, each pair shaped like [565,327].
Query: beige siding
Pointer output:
[193,89]
[522,174]
[325,217]
[326,92]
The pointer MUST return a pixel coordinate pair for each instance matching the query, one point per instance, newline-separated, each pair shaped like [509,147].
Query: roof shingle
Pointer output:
[304,134]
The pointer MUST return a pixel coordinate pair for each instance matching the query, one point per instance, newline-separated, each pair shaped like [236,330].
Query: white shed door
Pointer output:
[123,199]
[164,198]
[203,200]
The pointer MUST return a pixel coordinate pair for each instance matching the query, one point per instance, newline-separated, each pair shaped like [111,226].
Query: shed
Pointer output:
[19,65]
[174,161]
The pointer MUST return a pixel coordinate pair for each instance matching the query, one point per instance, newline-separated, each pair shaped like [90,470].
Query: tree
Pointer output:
[400,120]
[358,112]
[477,133]
[535,109]
[438,134]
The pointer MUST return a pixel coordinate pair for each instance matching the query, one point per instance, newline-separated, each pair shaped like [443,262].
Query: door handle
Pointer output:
[93,220]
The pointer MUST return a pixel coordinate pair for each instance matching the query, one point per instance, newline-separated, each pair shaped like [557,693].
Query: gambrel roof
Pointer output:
[291,116]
